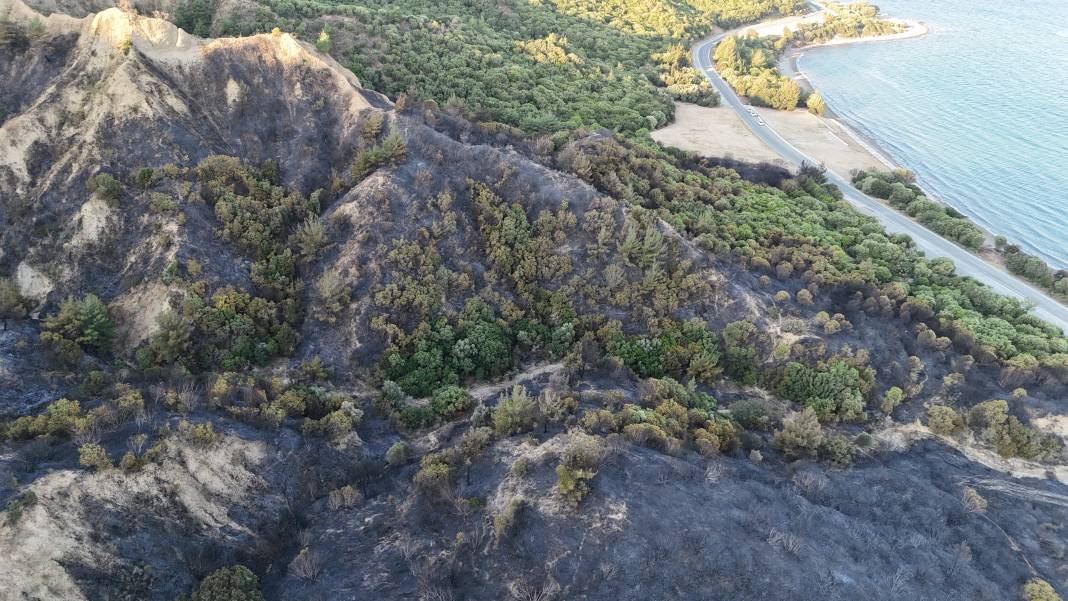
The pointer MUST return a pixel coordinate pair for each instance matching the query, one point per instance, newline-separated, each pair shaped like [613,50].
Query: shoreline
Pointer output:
[789,66]
[968,263]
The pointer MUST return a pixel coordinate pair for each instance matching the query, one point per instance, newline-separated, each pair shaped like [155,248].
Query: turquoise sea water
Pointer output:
[978,109]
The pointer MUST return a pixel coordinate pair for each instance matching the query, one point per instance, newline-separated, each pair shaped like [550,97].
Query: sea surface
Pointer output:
[978,108]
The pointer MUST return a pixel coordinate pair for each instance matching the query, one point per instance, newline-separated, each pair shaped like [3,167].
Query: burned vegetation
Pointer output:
[371,349]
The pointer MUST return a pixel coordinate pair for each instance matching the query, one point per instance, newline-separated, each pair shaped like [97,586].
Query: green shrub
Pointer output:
[129,402]
[415,417]
[345,497]
[144,177]
[391,151]
[1037,589]
[309,239]
[573,484]
[12,305]
[398,454]
[433,475]
[61,418]
[944,421]
[505,521]
[94,456]
[718,435]
[515,412]
[993,425]
[18,505]
[106,187]
[130,462]
[838,449]
[337,424]
[234,583]
[756,414]
[85,323]
[892,399]
[647,434]
[801,434]
[202,434]
[334,296]
[815,104]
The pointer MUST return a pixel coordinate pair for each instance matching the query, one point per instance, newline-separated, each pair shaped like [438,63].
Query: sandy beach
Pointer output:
[719,132]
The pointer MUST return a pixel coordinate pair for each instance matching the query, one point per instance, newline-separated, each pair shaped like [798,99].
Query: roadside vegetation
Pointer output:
[899,189]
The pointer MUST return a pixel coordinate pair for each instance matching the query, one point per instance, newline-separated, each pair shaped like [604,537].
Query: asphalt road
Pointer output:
[927,241]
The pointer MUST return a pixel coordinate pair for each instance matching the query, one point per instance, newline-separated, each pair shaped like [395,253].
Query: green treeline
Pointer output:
[541,66]
[1035,269]
[748,65]
[680,19]
[899,189]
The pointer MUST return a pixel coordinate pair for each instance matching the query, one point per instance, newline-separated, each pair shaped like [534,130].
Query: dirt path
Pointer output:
[484,392]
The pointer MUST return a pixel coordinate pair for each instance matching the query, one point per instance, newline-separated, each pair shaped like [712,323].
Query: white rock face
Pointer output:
[91,221]
[32,284]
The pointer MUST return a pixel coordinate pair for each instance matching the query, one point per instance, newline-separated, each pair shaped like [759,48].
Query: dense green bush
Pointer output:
[681,349]
[846,20]
[833,391]
[994,426]
[541,66]
[231,330]
[234,583]
[80,325]
[106,187]
[440,354]
[450,401]
[828,241]
[515,412]
[801,434]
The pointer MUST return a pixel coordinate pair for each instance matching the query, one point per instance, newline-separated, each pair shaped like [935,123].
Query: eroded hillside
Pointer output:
[259,316]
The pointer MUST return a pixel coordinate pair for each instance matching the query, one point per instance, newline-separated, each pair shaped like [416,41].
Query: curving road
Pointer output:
[927,241]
